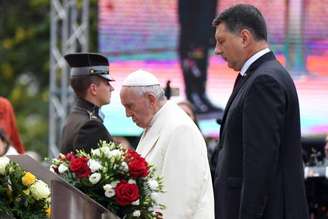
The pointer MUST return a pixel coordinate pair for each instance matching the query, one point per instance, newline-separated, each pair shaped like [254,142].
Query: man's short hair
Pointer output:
[243,16]
[80,84]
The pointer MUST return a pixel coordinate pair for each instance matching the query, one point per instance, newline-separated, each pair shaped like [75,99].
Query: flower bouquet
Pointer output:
[21,194]
[116,177]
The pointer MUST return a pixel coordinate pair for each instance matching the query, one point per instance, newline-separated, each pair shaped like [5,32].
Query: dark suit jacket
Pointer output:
[84,128]
[259,172]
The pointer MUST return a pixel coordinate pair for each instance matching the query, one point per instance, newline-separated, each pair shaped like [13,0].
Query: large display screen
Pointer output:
[136,34]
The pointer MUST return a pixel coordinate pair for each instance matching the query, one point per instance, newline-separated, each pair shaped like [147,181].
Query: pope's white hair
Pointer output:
[155,90]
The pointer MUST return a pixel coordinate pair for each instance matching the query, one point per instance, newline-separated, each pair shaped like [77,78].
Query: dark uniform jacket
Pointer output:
[259,172]
[84,128]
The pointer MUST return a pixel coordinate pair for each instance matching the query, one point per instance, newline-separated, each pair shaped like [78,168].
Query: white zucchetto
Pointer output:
[140,78]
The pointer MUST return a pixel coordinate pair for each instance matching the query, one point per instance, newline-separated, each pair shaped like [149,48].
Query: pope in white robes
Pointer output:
[173,143]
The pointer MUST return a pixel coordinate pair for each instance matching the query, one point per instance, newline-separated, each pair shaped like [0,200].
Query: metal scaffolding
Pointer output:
[69,33]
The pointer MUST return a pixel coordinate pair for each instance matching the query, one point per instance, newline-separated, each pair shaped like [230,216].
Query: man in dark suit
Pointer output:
[259,171]
[90,80]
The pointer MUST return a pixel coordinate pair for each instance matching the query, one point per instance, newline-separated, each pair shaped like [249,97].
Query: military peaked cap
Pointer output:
[88,64]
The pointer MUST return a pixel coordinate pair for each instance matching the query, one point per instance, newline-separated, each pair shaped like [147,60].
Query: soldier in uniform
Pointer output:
[90,80]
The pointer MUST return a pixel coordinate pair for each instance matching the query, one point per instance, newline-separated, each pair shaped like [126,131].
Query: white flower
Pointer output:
[124,166]
[94,178]
[52,168]
[132,181]
[4,161]
[111,153]
[95,152]
[107,187]
[136,213]
[115,153]
[40,190]
[106,151]
[136,202]
[62,168]
[94,165]
[109,193]
[153,184]
[154,196]
[109,190]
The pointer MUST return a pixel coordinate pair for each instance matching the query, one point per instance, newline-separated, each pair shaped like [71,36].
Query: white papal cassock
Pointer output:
[175,145]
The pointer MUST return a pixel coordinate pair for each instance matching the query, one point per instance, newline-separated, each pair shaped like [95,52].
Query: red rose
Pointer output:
[126,193]
[138,168]
[132,155]
[69,156]
[79,165]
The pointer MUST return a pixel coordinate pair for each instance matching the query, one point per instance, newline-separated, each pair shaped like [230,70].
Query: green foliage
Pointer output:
[24,65]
